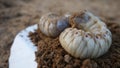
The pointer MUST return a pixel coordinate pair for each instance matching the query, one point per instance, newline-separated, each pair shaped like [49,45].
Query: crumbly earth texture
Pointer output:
[50,53]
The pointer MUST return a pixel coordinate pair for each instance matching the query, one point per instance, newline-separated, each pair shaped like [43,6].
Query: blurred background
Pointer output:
[15,15]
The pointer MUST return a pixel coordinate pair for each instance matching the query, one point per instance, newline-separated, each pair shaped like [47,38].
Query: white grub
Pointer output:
[52,24]
[89,38]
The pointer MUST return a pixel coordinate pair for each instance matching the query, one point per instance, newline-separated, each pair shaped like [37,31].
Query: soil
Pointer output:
[16,15]
[50,54]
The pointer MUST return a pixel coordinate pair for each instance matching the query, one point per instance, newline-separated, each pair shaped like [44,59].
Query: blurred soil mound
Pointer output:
[51,54]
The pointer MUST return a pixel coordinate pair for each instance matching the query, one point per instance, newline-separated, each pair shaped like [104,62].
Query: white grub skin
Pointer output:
[90,41]
[52,24]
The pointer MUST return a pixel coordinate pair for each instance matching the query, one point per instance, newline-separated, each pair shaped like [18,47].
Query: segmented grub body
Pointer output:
[89,37]
[52,24]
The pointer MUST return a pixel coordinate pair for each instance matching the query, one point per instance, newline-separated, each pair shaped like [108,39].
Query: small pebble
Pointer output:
[67,58]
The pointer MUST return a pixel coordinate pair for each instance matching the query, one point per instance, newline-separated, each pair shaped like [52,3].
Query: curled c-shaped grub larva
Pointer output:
[52,24]
[89,37]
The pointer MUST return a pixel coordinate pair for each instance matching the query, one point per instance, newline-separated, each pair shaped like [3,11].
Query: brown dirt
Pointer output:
[51,54]
[15,15]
